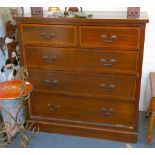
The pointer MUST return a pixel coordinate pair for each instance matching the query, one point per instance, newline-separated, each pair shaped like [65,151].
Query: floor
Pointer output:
[46,140]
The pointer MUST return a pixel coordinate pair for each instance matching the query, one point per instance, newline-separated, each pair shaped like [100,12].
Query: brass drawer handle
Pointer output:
[106,111]
[107,87]
[53,107]
[47,36]
[51,83]
[109,39]
[49,59]
[108,63]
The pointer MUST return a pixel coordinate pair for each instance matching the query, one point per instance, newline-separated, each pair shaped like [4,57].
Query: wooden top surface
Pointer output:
[98,16]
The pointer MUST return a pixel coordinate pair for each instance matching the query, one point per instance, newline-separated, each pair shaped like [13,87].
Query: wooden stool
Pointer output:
[151,108]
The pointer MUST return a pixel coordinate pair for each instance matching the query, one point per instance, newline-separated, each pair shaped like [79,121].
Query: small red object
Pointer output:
[72,9]
[13,89]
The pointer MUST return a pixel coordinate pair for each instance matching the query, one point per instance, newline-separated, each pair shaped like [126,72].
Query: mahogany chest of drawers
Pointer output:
[86,73]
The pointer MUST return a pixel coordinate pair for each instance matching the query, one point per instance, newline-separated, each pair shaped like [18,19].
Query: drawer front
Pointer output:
[84,83]
[80,60]
[74,109]
[126,38]
[49,34]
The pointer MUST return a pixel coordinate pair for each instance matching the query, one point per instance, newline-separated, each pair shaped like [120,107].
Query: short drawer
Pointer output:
[49,34]
[83,110]
[81,60]
[126,38]
[84,83]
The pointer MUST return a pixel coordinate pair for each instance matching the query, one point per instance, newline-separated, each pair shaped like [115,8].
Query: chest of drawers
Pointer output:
[86,73]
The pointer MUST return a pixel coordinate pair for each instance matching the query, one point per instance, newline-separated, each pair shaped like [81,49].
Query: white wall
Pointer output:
[149,58]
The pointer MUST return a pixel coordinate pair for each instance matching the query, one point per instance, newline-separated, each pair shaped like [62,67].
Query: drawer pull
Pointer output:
[107,87]
[105,111]
[107,63]
[49,59]
[53,107]
[107,39]
[47,36]
[51,83]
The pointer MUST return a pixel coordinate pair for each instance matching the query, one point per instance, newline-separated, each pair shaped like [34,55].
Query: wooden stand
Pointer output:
[151,108]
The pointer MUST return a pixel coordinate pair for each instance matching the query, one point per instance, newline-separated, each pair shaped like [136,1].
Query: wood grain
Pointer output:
[126,38]
[69,59]
[47,34]
[73,69]
[84,83]
[82,110]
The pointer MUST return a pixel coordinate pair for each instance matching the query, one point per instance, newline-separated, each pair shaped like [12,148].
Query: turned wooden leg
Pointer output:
[148,112]
[152,119]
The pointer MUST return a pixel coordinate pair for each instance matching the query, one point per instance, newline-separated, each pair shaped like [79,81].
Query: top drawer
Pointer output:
[58,35]
[110,37]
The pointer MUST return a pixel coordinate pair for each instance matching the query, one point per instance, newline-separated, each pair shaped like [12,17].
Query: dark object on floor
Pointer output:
[133,12]
[36,11]
[151,108]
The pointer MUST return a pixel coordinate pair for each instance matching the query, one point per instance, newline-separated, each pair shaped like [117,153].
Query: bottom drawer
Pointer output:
[82,110]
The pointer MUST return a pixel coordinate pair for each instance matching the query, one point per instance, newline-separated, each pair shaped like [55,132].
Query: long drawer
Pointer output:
[84,83]
[81,60]
[58,35]
[126,38]
[75,109]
